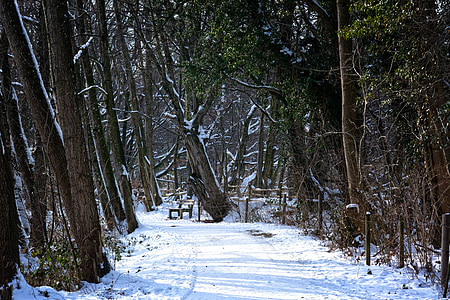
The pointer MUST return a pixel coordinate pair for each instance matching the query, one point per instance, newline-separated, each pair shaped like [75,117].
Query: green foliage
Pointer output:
[402,56]
[376,19]
[55,266]
[116,247]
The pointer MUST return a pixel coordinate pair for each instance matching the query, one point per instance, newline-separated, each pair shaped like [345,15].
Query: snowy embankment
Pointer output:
[183,259]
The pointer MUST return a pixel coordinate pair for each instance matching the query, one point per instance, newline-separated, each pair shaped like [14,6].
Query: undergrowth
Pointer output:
[53,266]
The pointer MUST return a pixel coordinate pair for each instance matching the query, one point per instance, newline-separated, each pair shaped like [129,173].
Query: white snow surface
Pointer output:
[185,259]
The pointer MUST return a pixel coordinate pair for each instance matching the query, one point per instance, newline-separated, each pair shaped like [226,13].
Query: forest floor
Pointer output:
[185,259]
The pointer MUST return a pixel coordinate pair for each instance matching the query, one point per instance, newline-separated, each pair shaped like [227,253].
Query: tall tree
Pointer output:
[189,121]
[38,100]
[349,108]
[9,231]
[112,192]
[88,234]
[38,213]
[153,197]
[84,222]
[117,148]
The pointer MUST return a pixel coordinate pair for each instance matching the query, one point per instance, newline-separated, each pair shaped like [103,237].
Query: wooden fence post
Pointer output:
[444,249]
[283,216]
[367,238]
[199,208]
[280,195]
[319,214]
[401,229]
[247,200]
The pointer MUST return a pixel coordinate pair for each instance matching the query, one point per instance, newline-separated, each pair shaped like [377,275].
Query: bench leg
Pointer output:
[177,210]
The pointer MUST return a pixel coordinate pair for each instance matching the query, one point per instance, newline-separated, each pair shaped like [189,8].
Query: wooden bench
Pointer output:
[183,206]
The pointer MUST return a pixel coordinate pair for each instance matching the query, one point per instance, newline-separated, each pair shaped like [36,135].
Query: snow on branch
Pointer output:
[133,112]
[82,47]
[30,20]
[317,7]
[93,87]
[268,88]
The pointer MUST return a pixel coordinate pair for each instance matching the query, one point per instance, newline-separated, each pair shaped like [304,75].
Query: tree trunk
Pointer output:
[98,133]
[269,158]
[349,109]
[99,181]
[38,236]
[101,146]
[260,163]
[88,234]
[239,167]
[152,197]
[9,231]
[41,179]
[38,100]
[203,180]
[114,132]
[149,102]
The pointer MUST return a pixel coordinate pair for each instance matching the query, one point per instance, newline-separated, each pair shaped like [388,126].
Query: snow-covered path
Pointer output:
[183,259]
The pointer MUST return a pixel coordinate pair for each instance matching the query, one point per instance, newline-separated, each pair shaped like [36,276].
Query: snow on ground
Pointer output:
[184,259]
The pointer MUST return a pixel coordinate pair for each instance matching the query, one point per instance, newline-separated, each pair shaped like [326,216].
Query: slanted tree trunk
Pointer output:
[38,236]
[113,128]
[349,109]
[203,180]
[38,100]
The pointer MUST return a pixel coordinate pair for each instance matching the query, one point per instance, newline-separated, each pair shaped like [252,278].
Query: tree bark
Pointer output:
[9,231]
[260,162]
[88,234]
[38,236]
[203,180]
[148,129]
[98,133]
[38,100]
[152,197]
[98,177]
[114,132]
[238,166]
[349,109]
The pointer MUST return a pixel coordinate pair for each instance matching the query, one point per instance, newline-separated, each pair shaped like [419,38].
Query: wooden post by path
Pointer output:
[367,238]
[199,207]
[280,195]
[444,249]
[283,216]
[319,215]
[401,232]
[247,200]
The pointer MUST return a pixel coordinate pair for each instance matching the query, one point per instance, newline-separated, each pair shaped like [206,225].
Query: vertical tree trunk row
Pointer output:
[114,132]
